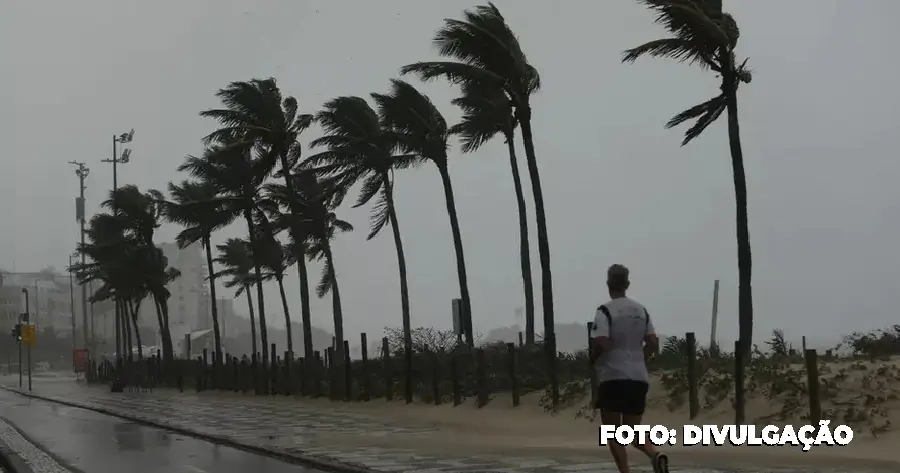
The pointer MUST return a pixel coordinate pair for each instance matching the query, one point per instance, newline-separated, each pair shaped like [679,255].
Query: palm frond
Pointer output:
[705,114]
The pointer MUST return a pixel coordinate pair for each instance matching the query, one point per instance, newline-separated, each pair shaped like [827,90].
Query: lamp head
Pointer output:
[126,137]
[126,155]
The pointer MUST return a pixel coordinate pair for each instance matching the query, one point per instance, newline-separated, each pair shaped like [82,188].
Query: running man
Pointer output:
[623,340]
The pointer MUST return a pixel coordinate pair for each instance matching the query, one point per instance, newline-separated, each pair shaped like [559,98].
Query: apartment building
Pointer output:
[49,300]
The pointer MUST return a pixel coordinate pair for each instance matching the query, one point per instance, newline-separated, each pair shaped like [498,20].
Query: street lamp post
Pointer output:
[82,172]
[116,159]
[72,306]
[28,353]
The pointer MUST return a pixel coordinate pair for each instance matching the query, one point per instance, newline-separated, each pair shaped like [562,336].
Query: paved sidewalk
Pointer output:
[326,437]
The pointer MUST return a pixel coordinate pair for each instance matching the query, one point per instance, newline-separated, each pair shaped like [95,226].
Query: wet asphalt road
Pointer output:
[89,442]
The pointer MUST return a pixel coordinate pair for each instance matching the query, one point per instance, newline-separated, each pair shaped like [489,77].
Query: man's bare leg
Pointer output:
[619,454]
[647,447]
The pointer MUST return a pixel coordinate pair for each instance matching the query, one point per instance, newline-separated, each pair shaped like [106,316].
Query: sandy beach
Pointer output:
[861,394]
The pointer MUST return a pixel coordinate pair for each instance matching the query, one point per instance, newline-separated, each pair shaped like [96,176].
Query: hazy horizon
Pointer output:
[817,122]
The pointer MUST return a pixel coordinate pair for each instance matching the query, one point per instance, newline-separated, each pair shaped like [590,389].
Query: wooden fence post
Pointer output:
[481,377]
[739,413]
[435,376]
[812,379]
[454,379]
[388,371]
[332,388]
[288,387]
[348,373]
[592,373]
[315,374]
[364,368]
[514,384]
[273,375]
[693,396]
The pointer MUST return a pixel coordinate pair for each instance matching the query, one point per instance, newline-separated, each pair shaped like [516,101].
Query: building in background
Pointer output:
[229,322]
[50,300]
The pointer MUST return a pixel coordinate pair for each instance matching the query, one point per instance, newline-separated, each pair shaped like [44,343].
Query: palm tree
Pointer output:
[482,48]
[421,130]
[704,35]
[236,260]
[123,257]
[275,259]
[360,149]
[487,111]
[238,178]
[317,199]
[256,113]
[195,206]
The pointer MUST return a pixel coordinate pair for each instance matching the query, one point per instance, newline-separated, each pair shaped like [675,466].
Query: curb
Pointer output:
[317,462]
[11,462]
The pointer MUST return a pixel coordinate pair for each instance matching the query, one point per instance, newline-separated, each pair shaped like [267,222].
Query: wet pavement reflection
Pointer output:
[95,443]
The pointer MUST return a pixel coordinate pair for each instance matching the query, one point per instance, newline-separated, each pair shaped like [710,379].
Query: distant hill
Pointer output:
[242,344]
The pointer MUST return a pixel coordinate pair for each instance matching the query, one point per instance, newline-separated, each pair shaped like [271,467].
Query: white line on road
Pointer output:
[193,469]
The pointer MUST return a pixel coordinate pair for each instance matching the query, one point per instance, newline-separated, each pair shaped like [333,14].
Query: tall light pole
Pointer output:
[116,159]
[82,171]
[72,305]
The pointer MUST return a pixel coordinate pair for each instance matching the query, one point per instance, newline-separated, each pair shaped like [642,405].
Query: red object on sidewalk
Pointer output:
[81,359]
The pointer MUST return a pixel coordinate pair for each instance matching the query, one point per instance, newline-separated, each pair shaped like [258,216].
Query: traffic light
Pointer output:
[17,332]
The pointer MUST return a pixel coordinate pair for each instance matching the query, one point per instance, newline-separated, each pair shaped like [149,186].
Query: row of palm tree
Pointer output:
[253,169]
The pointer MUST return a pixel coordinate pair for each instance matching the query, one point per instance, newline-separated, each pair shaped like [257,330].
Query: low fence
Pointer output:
[501,372]
[435,377]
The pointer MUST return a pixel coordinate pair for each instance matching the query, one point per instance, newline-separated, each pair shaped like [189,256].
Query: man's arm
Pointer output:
[651,340]
[599,335]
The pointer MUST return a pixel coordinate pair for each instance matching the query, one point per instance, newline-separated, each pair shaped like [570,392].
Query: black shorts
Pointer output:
[625,396]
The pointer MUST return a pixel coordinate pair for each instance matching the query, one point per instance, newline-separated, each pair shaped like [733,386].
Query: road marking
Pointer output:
[193,468]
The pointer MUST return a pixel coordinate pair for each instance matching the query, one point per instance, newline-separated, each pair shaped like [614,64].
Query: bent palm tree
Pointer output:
[486,112]
[257,114]
[196,207]
[482,48]
[421,130]
[238,178]
[360,149]
[274,260]
[124,258]
[320,226]
[702,34]
[236,260]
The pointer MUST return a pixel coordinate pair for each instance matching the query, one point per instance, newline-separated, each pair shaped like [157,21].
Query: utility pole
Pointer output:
[82,171]
[116,159]
[26,318]
[72,309]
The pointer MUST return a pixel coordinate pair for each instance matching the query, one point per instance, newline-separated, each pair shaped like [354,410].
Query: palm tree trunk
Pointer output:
[252,319]
[523,114]
[460,259]
[404,289]
[212,294]
[524,246]
[287,313]
[162,317]
[118,324]
[297,233]
[126,318]
[134,307]
[745,295]
[260,298]
[305,313]
[336,308]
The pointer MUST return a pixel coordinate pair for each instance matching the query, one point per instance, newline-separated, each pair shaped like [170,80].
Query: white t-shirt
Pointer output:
[624,359]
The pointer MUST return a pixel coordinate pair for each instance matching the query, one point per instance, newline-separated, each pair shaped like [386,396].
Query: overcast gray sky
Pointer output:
[818,124]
